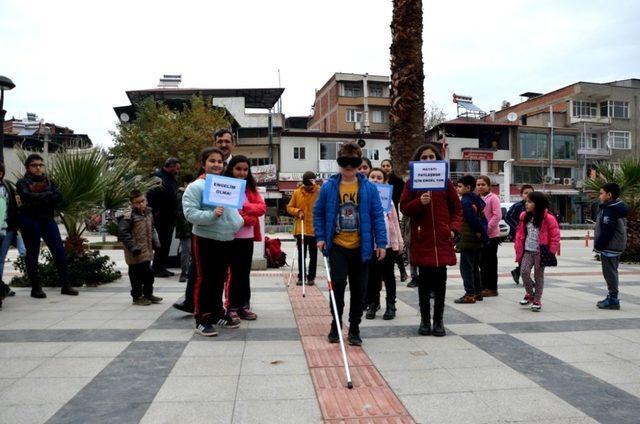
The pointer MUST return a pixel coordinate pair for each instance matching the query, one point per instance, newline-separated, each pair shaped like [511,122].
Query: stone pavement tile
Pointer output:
[630,335]
[99,410]
[154,349]
[625,351]
[68,324]
[275,364]
[213,348]
[198,389]
[211,366]
[265,334]
[36,391]
[633,388]
[128,323]
[465,407]
[570,325]
[466,329]
[69,367]
[614,372]
[261,387]
[160,335]
[528,404]
[27,324]
[95,315]
[33,414]
[403,361]
[256,349]
[577,353]
[19,367]
[189,413]
[388,345]
[93,349]
[269,322]
[277,411]
[423,381]
[491,378]
[437,344]
[73,335]
[548,339]
[31,350]
[5,383]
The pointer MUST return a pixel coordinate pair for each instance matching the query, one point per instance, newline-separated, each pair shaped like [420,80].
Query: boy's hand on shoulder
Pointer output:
[380,254]
[321,245]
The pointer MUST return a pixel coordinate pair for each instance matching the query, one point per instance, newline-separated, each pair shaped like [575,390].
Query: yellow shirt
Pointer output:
[348,222]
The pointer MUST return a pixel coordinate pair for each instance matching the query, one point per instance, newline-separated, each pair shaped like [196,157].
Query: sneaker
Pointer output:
[227,321]
[489,293]
[536,306]
[354,339]
[141,301]
[184,307]
[527,300]
[38,294]
[467,298]
[182,279]
[333,336]
[247,314]
[413,282]
[154,299]
[478,297]
[371,311]
[609,303]
[233,313]
[311,282]
[515,274]
[299,283]
[206,330]
[69,291]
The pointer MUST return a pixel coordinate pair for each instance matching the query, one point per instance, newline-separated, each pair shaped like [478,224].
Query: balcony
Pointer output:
[594,152]
[589,119]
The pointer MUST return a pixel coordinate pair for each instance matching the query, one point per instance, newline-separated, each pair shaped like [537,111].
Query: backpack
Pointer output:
[276,258]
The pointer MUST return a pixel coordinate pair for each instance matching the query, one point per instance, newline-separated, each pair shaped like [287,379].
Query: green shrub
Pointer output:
[92,269]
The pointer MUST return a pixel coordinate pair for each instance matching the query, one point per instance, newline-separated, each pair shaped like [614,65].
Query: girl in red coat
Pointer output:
[538,234]
[239,290]
[436,218]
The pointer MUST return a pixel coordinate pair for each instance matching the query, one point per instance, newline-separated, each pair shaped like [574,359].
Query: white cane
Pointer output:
[337,321]
[295,256]
[304,259]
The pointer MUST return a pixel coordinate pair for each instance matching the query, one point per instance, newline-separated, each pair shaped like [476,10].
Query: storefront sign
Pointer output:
[477,155]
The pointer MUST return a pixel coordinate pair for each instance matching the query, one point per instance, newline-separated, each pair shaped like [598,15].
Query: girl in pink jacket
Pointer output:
[538,235]
[489,254]
[384,270]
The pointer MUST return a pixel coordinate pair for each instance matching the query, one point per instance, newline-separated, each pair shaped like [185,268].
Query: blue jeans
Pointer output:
[32,231]
[11,238]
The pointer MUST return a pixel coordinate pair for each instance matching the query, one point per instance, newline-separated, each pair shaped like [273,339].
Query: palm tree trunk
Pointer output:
[633,237]
[407,78]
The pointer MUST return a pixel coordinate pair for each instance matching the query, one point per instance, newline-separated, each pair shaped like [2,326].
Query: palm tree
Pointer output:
[407,78]
[627,176]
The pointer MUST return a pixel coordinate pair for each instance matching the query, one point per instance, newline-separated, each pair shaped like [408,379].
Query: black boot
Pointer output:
[371,311]
[333,336]
[68,290]
[390,313]
[36,291]
[425,319]
[438,310]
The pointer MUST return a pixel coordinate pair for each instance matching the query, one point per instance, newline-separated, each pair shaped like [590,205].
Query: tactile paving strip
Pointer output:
[371,400]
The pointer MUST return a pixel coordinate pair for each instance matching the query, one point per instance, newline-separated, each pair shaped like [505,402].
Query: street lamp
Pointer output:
[5,84]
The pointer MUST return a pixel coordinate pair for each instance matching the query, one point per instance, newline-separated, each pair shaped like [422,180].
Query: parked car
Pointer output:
[504,227]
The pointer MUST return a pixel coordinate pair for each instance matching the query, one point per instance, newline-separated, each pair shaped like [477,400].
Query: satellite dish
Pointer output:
[124,117]
[512,117]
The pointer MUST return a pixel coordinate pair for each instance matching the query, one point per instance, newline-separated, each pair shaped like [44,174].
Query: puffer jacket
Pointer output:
[611,227]
[431,225]
[136,232]
[394,234]
[252,209]
[493,213]
[303,200]
[549,235]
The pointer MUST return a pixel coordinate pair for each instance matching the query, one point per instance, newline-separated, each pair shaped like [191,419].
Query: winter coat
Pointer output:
[611,227]
[512,218]
[12,206]
[183,227]
[493,213]
[371,215]
[303,200]
[549,235]
[394,234]
[252,209]
[136,232]
[431,225]
[473,223]
[38,197]
[162,199]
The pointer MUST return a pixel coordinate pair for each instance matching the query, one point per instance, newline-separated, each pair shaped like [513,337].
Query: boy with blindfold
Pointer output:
[348,219]
[301,207]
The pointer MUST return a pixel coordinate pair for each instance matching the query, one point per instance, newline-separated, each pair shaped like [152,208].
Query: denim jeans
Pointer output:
[11,238]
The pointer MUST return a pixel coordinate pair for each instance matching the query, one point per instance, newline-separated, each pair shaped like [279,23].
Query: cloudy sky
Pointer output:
[73,60]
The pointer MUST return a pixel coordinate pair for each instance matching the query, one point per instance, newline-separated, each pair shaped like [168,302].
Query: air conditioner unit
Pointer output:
[567,181]
[548,179]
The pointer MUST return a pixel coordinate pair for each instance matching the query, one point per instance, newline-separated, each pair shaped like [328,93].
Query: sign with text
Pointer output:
[429,175]
[477,155]
[224,191]
[386,193]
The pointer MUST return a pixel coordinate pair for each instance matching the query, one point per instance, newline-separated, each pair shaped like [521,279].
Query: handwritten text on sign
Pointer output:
[224,191]
[386,192]
[429,175]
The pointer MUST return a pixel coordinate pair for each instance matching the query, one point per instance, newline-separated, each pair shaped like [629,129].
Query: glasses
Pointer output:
[349,162]
[36,165]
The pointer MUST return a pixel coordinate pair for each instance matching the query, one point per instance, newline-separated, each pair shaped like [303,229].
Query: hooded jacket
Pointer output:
[611,227]
[473,223]
[254,207]
[549,235]
[303,200]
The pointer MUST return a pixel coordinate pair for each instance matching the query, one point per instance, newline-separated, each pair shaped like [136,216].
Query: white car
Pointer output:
[504,227]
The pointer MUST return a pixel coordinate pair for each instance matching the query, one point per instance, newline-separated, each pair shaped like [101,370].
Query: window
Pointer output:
[354,115]
[615,109]
[353,90]
[590,141]
[328,151]
[527,175]
[584,109]
[533,146]
[619,140]
[461,167]
[562,173]
[494,166]
[371,154]
[378,116]
[299,153]
[564,146]
[376,90]
[259,161]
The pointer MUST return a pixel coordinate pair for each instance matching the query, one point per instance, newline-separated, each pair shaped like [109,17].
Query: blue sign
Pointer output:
[224,191]
[386,195]
[429,175]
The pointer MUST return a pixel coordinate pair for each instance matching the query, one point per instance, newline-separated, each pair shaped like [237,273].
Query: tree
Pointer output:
[159,132]
[627,176]
[407,82]
[434,115]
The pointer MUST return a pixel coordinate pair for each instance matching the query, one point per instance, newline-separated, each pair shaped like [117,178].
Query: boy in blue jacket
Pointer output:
[348,219]
[611,240]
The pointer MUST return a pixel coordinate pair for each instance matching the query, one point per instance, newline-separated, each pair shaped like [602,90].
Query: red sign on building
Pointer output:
[477,155]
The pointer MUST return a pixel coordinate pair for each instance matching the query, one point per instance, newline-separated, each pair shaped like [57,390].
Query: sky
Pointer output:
[72,61]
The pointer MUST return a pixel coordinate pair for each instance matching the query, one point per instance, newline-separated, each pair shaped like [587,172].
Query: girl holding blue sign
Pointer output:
[213,231]
[384,270]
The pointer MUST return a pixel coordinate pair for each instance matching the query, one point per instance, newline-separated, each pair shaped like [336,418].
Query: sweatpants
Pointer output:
[161,255]
[532,260]
[239,293]
[32,231]
[311,249]
[610,273]
[141,278]
[489,265]
[212,259]
[185,256]
[347,264]
[470,271]
[379,272]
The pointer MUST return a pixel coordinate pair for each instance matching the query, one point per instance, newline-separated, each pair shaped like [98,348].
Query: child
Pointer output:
[384,270]
[348,219]
[538,234]
[512,218]
[489,253]
[611,240]
[436,217]
[473,235]
[301,207]
[365,167]
[136,232]
[183,231]
[239,288]
[213,231]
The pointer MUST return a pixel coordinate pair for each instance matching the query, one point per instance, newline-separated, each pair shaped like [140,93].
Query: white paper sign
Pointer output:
[386,193]
[429,175]
[224,191]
